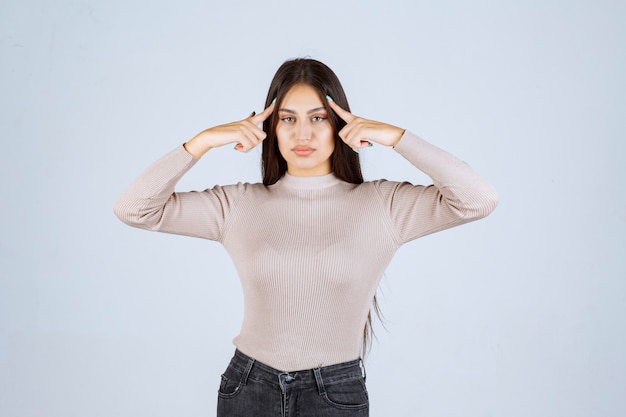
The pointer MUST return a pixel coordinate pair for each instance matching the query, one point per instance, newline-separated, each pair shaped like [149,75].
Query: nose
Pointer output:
[303,130]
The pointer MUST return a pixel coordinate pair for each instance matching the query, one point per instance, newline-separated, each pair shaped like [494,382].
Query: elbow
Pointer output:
[486,203]
[490,202]
[476,206]
[129,213]
[122,211]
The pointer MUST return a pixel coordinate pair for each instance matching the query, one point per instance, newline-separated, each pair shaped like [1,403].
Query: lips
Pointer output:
[303,150]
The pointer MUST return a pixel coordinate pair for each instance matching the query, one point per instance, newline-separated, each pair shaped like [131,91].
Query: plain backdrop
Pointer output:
[520,314]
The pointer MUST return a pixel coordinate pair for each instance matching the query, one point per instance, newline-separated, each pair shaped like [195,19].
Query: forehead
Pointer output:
[302,96]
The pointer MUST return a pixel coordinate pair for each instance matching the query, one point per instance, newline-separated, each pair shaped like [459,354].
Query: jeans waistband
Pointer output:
[253,369]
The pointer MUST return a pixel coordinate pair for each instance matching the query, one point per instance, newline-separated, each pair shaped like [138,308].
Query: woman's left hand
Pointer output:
[359,133]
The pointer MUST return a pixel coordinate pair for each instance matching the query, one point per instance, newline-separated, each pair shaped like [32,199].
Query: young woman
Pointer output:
[311,242]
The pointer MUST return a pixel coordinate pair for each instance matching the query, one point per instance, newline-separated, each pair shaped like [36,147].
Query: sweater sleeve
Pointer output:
[458,195]
[151,202]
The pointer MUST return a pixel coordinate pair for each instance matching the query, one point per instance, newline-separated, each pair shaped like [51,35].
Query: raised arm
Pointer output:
[151,202]
[458,194]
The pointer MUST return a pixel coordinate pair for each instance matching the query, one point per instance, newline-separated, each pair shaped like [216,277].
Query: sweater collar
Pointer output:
[309,183]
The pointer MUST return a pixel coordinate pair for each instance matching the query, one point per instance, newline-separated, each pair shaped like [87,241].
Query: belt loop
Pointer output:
[363,369]
[320,383]
[246,372]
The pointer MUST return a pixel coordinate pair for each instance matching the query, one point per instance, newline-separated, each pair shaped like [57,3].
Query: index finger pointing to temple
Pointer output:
[260,118]
[344,114]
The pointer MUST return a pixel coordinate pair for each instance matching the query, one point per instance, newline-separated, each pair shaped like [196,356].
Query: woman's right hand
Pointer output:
[246,134]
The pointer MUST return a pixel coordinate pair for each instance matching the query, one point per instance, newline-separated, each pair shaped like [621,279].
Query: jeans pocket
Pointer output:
[231,383]
[349,394]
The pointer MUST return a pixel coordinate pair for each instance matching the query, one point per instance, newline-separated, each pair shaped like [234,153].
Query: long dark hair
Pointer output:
[344,162]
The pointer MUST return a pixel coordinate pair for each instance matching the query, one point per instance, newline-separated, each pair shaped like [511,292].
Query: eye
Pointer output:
[288,119]
[318,119]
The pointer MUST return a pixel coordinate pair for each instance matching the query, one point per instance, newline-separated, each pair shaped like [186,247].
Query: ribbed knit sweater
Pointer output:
[309,251]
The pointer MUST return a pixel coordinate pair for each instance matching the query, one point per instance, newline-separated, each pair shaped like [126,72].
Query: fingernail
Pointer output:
[274,101]
[355,150]
[235,148]
[329,98]
[252,114]
[369,143]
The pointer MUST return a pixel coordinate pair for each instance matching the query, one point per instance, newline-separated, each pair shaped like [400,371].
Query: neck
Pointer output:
[309,182]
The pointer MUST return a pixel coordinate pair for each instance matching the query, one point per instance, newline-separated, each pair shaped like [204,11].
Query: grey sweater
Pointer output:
[309,251]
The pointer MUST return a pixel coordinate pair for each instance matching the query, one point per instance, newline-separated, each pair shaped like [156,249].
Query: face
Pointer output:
[304,133]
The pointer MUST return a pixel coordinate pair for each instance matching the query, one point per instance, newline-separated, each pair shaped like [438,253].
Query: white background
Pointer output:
[521,314]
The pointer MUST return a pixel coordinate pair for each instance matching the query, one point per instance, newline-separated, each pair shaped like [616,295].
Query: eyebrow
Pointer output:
[309,112]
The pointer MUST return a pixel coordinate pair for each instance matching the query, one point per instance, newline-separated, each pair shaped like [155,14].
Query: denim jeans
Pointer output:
[250,388]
